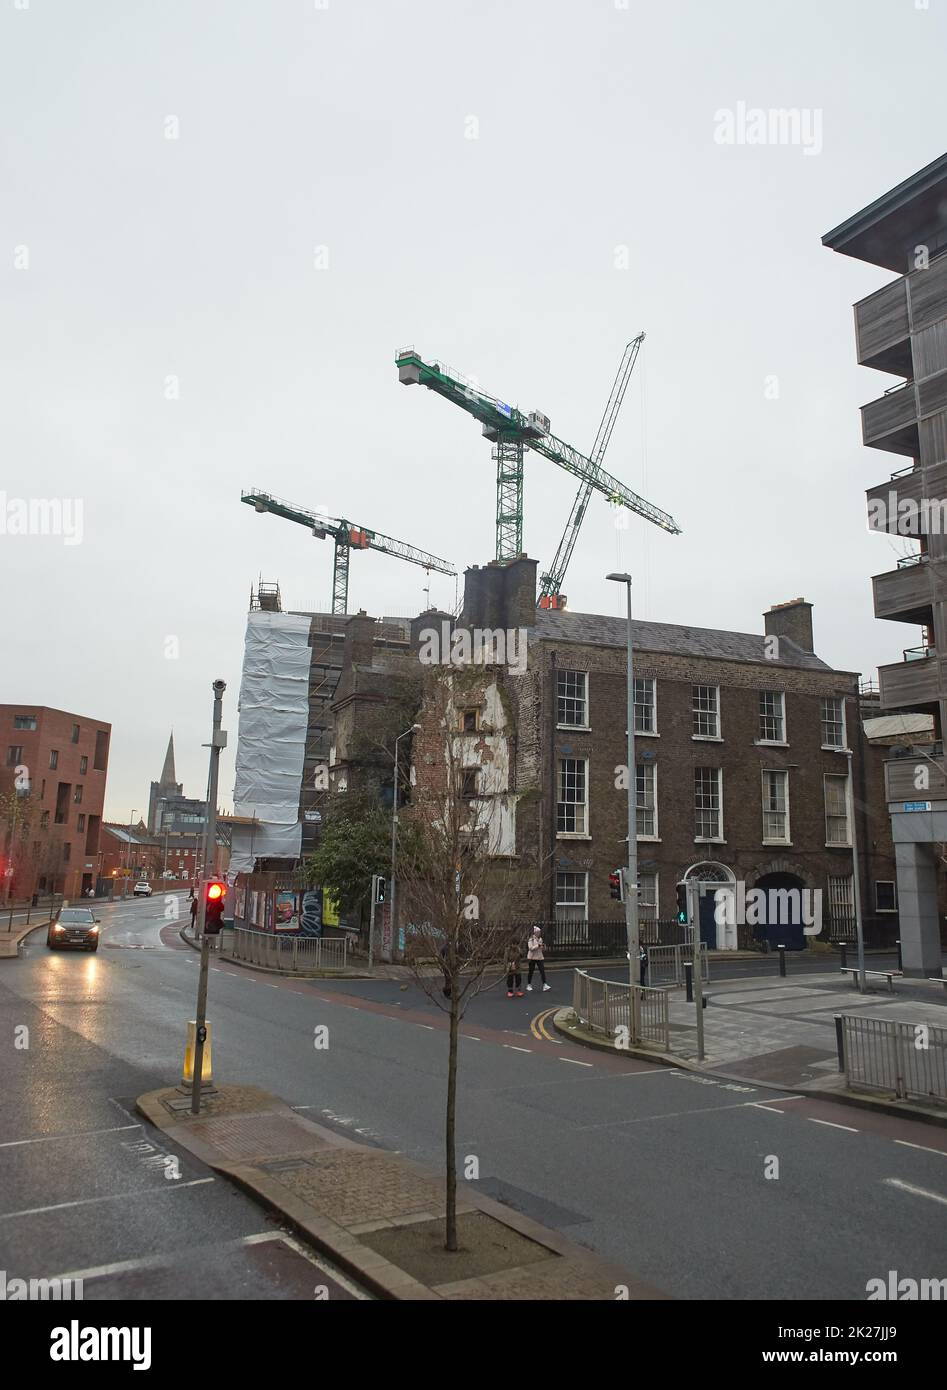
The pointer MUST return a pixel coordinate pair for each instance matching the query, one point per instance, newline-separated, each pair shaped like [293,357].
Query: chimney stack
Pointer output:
[792,620]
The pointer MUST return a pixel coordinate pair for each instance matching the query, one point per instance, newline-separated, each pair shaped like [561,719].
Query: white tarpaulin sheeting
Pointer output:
[271,741]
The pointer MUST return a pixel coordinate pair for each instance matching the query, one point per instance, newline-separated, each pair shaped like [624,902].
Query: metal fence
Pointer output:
[666,964]
[905,1060]
[602,1005]
[300,953]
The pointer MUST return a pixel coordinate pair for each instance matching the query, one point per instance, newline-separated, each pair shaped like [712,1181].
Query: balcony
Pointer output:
[882,334]
[912,684]
[905,594]
[896,506]
[891,422]
[901,774]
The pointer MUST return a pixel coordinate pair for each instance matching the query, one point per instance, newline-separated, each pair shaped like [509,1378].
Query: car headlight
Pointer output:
[95,930]
[59,927]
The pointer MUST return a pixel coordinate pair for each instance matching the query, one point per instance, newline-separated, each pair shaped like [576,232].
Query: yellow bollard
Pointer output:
[190,1048]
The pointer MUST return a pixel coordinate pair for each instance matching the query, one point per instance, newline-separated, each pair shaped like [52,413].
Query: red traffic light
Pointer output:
[215,891]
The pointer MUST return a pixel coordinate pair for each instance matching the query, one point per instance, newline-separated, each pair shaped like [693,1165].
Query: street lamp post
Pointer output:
[856,886]
[131,821]
[394,837]
[631,886]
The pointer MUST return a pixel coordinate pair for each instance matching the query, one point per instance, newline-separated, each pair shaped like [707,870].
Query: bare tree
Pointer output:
[452,857]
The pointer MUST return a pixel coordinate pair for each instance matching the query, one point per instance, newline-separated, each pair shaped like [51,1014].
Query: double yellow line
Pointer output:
[537,1025]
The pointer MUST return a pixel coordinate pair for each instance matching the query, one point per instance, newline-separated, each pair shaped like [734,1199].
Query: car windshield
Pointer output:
[77,915]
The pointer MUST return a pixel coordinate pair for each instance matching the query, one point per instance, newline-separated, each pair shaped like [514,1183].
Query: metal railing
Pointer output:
[905,1060]
[299,953]
[666,964]
[602,1005]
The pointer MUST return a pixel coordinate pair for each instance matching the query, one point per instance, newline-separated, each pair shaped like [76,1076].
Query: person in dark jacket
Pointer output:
[514,977]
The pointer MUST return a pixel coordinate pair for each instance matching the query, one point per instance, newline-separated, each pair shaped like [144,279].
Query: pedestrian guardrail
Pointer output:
[666,964]
[300,953]
[905,1060]
[602,1006]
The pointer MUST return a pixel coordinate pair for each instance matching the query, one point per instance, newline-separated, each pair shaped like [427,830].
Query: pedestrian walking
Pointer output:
[193,912]
[536,955]
[514,977]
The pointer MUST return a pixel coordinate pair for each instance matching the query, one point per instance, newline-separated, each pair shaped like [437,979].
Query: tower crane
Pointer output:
[347,537]
[512,432]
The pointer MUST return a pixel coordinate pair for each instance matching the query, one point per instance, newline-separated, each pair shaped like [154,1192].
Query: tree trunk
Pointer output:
[450,1234]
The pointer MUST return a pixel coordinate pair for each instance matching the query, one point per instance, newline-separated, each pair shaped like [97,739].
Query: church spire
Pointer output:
[168,778]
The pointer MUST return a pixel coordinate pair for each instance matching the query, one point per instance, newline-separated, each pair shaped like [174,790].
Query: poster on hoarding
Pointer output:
[330,911]
[240,903]
[285,916]
[311,924]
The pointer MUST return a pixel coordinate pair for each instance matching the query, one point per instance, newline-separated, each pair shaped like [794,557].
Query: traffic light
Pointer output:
[215,890]
[381,888]
[616,884]
[682,916]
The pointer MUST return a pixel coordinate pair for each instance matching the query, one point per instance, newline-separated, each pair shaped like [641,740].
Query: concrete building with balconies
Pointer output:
[901,329]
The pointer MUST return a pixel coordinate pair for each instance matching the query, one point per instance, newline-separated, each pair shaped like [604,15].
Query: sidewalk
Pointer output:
[781,1032]
[377,1215]
[10,940]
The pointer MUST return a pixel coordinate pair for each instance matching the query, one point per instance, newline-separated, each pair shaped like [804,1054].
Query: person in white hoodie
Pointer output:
[536,955]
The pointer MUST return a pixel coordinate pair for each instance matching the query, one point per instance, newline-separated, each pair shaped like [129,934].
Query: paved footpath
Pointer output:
[782,1031]
[378,1216]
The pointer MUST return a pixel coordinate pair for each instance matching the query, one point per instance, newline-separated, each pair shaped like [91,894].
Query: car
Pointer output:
[74,926]
[142,889]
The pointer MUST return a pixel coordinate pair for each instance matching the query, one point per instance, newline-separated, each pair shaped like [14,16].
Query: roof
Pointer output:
[594,630]
[881,232]
[898,725]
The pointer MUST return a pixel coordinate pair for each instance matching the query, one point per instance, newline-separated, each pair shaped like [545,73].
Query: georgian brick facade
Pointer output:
[755,731]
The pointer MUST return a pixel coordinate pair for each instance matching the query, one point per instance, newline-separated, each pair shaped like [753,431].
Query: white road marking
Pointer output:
[650,1071]
[573,1062]
[830,1124]
[512,1048]
[915,1191]
[471,1037]
[761,1105]
[922,1147]
[79,1134]
[112,1197]
[428,1026]
[261,1238]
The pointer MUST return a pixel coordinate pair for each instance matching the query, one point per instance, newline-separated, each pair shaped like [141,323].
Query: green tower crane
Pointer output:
[512,433]
[347,537]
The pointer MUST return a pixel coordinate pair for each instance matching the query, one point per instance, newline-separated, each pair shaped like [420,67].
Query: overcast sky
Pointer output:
[515,186]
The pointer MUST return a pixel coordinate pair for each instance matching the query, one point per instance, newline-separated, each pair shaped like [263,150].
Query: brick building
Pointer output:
[52,841]
[743,748]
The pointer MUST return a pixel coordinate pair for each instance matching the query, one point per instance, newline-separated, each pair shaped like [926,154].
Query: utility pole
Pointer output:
[697,954]
[856,886]
[218,741]
[631,885]
[394,840]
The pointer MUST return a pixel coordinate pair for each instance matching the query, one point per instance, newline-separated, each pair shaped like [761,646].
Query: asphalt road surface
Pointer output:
[658,1169]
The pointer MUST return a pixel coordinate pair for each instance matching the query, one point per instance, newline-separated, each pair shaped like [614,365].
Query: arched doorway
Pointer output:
[779,915]
[715,883]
